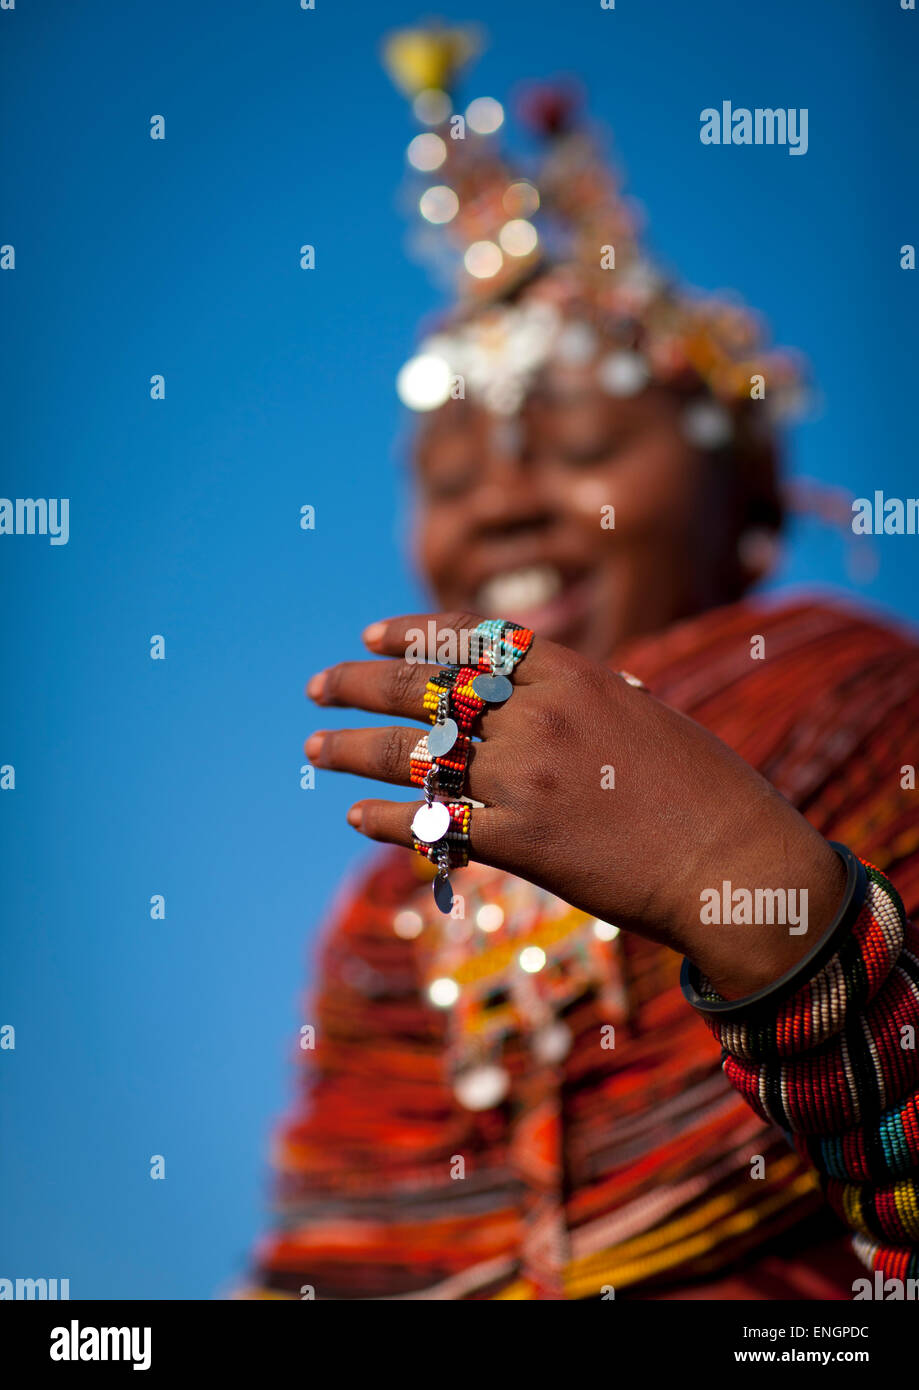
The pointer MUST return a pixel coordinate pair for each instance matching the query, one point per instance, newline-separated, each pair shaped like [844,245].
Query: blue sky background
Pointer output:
[181,777]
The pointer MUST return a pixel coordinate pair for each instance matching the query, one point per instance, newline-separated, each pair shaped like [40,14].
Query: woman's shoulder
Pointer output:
[753,644]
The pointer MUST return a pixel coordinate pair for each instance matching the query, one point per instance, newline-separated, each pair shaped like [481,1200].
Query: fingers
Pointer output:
[385,754]
[392,821]
[425,631]
[445,639]
[382,687]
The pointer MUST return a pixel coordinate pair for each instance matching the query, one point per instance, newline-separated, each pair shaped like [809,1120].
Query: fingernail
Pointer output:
[313,746]
[316,686]
[355,816]
[373,635]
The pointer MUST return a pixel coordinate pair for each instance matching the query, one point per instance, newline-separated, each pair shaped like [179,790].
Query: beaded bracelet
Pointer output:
[891,1211]
[848,981]
[894,1264]
[859,1074]
[887,1149]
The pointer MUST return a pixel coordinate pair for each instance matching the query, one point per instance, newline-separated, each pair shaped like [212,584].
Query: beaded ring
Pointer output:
[508,644]
[456,838]
[453,699]
[465,701]
[451,766]
[439,685]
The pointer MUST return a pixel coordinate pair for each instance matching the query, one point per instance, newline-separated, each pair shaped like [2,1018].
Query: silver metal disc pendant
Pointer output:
[431,823]
[494,690]
[442,738]
[481,1088]
[443,894]
[552,1042]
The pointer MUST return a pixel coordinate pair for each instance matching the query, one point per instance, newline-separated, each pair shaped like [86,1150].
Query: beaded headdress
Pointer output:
[563,230]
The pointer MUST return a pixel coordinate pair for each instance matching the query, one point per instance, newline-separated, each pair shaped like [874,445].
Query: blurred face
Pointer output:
[587,517]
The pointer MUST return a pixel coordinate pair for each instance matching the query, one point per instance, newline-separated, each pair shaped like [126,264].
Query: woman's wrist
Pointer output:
[760,908]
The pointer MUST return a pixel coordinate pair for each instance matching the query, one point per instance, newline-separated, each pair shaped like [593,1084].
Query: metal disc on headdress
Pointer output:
[481,1088]
[505,228]
[552,1043]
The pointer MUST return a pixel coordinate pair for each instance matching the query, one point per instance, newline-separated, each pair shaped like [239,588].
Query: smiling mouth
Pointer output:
[540,596]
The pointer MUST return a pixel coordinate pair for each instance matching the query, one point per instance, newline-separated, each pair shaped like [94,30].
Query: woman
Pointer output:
[511,1094]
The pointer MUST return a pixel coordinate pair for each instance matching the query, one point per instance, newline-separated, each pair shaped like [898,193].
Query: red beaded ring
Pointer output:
[457,837]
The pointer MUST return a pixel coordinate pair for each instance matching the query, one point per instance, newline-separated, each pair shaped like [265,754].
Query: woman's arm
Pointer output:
[834,1064]
[687,845]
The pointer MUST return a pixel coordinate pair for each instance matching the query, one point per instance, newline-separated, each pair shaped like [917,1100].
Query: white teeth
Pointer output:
[517,591]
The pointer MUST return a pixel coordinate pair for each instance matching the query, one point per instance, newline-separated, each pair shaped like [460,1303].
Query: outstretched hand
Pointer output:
[600,793]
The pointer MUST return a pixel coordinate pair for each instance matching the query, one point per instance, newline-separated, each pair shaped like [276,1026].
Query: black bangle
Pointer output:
[770,995]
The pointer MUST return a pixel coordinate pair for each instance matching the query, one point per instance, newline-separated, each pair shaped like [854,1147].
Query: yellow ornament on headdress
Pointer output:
[418,60]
